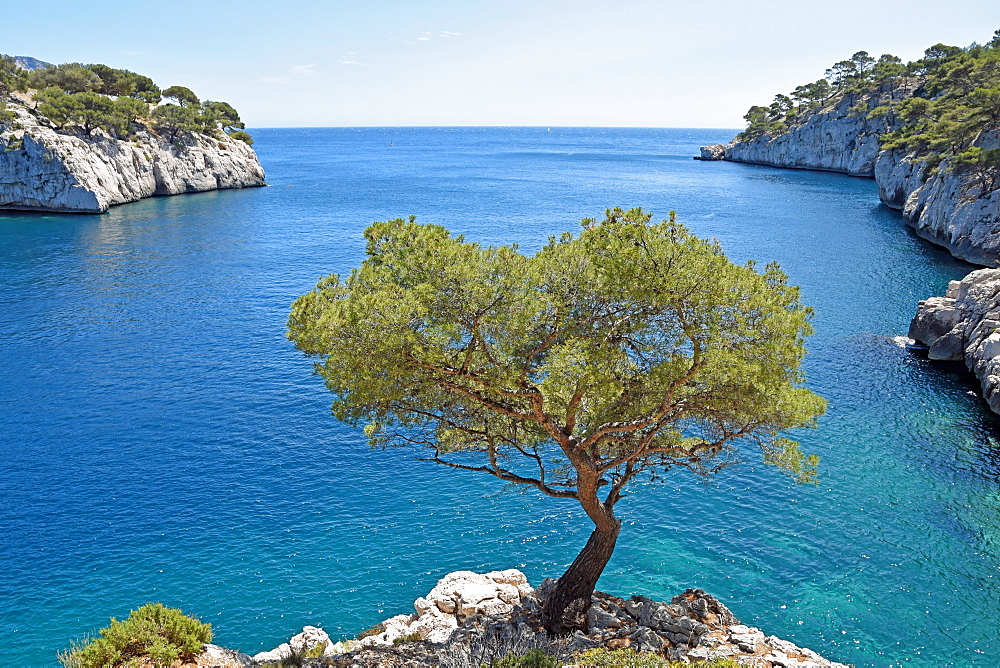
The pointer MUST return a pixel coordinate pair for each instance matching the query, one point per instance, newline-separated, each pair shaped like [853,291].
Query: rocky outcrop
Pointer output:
[712,152]
[45,170]
[214,656]
[835,140]
[950,208]
[498,614]
[964,326]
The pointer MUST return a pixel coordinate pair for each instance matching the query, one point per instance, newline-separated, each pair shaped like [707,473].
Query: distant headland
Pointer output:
[80,138]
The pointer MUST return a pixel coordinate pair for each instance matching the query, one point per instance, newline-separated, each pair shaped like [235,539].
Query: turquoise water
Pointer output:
[161,440]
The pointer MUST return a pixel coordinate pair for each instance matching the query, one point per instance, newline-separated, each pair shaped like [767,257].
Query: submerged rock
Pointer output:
[45,170]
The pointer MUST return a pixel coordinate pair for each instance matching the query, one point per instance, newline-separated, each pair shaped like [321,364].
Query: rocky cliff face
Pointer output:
[470,619]
[835,140]
[43,170]
[964,326]
[947,208]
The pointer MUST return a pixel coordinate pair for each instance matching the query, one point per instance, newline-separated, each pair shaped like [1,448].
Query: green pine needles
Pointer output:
[82,98]
[153,634]
[626,351]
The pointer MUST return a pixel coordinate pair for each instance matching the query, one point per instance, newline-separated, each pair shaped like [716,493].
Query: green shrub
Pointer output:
[409,637]
[536,658]
[318,650]
[152,634]
[628,658]
[242,136]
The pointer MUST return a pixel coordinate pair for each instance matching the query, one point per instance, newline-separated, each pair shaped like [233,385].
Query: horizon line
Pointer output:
[561,127]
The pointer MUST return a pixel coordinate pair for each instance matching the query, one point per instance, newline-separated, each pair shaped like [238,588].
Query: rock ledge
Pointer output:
[470,619]
[45,170]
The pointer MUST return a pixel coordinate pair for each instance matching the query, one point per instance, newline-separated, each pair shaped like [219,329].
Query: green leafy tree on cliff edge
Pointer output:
[623,352]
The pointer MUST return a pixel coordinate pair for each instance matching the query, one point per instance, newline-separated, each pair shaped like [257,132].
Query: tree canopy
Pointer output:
[626,351]
[171,121]
[82,98]
[184,97]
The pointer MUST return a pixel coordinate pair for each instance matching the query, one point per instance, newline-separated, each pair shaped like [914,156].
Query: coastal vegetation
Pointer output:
[152,635]
[605,658]
[936,107]
[78,98]
[624,352]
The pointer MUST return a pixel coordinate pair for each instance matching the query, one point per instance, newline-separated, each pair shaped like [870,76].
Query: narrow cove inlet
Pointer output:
[165,442]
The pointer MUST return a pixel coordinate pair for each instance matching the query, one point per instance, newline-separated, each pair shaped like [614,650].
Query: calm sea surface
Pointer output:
[160,440]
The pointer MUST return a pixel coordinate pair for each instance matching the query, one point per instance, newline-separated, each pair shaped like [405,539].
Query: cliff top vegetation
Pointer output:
[78,99]
[936,107]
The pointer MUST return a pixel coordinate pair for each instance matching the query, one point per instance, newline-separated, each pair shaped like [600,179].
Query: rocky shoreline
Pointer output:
[945,206]
[471,619]
[964,326]
[45,170]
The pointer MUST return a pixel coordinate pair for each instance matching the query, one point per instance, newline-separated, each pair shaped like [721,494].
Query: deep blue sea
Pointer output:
[161,440]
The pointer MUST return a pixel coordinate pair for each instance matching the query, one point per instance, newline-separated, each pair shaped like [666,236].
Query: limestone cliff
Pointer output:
[45,170]
[834,140]
[964,326]
[949,208]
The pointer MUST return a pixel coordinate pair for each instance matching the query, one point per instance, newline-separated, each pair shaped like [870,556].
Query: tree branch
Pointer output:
[504,475]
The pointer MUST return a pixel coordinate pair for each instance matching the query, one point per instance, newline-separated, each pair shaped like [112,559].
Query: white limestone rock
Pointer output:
[279,653]
[456,597]
[44,170]
[965,326]
[948,208]
[220,657]
[310,637]
[834,140]
[712,152]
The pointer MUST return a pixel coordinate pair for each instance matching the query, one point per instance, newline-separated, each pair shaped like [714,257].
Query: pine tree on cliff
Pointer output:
[624,352]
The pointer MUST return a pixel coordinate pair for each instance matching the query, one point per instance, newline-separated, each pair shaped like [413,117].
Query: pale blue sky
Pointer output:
[537,62]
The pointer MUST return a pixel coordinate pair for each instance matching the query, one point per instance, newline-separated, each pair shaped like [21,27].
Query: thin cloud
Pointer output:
[348,59]
[294,72]
[431,35]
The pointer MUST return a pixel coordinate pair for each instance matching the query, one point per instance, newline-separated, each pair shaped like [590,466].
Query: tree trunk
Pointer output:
[565,610]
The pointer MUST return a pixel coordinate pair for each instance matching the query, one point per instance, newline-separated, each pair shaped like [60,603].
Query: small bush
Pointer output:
[373,631]
[242,136]
[536,658]
[318,650]
[152,634]
[628,658]
[409,637]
